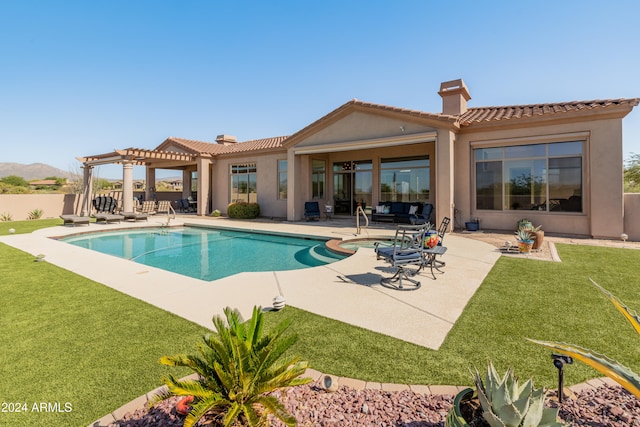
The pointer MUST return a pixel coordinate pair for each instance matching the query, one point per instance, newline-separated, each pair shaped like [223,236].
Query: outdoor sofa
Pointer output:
[402,212]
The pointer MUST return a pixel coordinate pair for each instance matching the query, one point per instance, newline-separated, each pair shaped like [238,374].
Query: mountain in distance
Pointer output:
[42,171]
[32,171]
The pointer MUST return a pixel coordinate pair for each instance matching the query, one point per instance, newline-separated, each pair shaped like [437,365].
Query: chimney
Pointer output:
[454,97]
[226,139]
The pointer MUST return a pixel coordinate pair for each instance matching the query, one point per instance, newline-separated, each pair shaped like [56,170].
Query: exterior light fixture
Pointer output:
[39,257]
[12,230]
[624,237]
[279,302]
[330,383]
[559,360]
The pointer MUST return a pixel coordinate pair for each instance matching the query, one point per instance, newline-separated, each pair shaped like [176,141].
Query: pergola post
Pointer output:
[127,186]
[87,189]
[150,190]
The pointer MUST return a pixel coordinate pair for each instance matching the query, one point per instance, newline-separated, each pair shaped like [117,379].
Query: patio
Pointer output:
[423,317]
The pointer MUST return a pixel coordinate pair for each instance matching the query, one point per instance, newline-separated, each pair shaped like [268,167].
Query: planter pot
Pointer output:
[472,226]
[537,243]
[524,246]
[454,417]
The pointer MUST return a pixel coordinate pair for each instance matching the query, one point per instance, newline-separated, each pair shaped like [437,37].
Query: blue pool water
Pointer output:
[208,254]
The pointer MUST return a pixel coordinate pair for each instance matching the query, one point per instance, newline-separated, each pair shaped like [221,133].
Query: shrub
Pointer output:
[35,214]
[243,210]
[215,213]
[238,368]
[6,216]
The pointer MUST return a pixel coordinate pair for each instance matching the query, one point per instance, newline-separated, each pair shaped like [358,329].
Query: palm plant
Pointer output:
[609,367]
[238,367]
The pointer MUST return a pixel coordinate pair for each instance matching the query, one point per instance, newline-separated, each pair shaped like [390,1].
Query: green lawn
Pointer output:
[67,339]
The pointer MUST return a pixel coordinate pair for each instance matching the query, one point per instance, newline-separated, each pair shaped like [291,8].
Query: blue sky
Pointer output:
[84,77]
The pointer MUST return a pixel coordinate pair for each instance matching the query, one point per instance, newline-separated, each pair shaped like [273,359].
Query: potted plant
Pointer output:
[538,237]
[524,237]
[524,223]
[501,402]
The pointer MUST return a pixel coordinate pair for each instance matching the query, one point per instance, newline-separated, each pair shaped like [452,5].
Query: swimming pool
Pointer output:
[207,253]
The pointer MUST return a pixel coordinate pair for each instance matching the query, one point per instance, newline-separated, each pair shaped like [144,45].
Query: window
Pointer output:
[318,177]
[243,183]
[405,179]
[543,177]
[282,179]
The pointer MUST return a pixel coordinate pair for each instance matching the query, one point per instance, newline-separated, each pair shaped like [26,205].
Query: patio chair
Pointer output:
[442,229]
[406,251]
[311,210]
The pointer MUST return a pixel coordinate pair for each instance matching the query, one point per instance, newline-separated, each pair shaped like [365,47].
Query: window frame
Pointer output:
[546,206]
[247,169]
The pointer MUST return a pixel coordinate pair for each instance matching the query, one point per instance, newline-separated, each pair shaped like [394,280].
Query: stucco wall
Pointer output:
[602,214]
[52,205]
[267,183]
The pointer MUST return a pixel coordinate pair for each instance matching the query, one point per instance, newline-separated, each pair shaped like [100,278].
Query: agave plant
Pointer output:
[506,403]
[609,367]
[524,235]
[238,367]
[35,214]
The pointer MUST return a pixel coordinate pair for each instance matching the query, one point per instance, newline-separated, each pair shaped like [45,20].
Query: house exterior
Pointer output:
[559,165]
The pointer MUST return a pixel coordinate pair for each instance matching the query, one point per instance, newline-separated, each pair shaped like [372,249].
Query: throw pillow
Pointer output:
[413,210]
[387,209]
[380,209]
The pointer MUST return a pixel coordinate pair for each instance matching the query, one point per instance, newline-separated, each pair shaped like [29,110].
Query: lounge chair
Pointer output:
[75,219]
[164,207]
[311,210]
[135,216]
[108,218]
[149,207]
[406,251]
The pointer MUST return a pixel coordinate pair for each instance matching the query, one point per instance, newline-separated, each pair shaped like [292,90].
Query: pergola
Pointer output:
[128,157]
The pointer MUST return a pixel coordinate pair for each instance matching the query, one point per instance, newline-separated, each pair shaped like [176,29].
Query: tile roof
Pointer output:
[415,113]
[238,147]
[197,146]
[256,144]
[514,112]
[472,116]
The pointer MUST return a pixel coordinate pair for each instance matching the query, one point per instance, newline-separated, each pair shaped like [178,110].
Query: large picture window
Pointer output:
[542,177]
[404,179]
[243,183]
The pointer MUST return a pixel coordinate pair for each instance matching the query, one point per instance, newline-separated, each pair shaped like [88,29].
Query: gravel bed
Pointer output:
[312,406]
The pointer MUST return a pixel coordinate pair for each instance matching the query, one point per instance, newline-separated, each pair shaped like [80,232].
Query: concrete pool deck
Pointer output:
[348,290]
